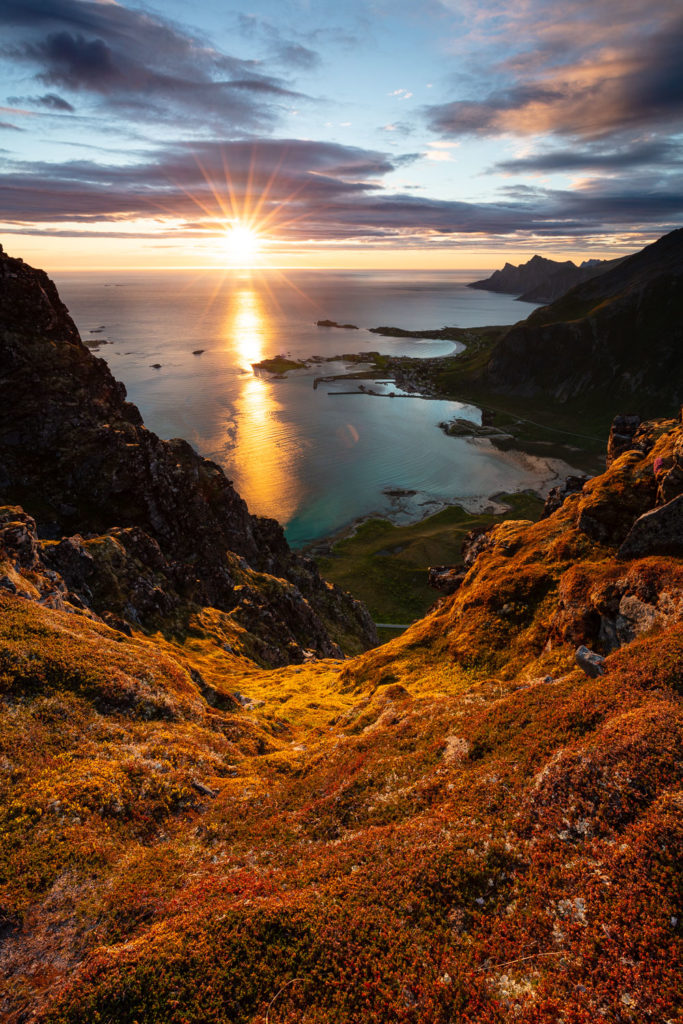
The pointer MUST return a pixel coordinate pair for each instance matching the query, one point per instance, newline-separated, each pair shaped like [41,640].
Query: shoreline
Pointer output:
[550,472]
[411,508]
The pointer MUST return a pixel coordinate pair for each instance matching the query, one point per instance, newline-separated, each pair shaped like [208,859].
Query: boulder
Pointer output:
[474,542]
[445,578]
[670,475]
[18,537]
[589,662]
[557,495]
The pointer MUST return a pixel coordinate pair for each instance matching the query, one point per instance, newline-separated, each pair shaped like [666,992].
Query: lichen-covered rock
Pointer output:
[669,474]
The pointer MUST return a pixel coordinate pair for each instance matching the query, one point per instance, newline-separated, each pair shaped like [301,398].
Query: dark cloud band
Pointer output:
[308,190]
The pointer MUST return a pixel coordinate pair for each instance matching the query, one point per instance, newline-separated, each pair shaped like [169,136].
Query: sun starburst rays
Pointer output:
[244,212]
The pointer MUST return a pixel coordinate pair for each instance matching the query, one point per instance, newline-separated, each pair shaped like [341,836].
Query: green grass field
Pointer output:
[385,566]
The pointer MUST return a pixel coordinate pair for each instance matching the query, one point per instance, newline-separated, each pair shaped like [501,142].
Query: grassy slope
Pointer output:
[385,566]
[428,833]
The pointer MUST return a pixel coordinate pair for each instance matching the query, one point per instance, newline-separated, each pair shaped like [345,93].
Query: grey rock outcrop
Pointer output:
[621,436]
[558,495]
[445,578]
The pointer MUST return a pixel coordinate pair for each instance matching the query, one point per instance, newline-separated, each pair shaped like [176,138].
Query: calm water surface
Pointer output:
[314,459]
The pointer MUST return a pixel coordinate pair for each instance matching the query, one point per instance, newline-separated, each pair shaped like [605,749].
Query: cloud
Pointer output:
[660,153]
[130,61]
[289,52]
[10,127]
[439,151]
[313,191]
[591,71]
[399,127]
[53,102]
[296,55]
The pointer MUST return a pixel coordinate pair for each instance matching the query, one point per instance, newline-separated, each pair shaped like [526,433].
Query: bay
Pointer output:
[312,458]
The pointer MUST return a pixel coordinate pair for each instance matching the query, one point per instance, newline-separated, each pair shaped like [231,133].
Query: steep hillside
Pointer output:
[618,335]
[462,825]
[163,531]
[560,281]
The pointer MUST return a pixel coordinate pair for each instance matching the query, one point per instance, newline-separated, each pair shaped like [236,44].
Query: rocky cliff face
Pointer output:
[565,277]
[618,335]
[78,458]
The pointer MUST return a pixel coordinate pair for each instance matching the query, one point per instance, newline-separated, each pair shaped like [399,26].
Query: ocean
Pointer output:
[313,458]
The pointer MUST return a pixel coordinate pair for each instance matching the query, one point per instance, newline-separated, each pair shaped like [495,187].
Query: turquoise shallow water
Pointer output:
[310,458]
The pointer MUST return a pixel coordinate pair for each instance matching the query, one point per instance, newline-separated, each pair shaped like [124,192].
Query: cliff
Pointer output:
[560,281]
[618,336]
[77,457]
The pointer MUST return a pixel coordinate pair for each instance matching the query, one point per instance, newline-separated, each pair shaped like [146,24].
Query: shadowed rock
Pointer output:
[659,532]
[76,455]
[621,436]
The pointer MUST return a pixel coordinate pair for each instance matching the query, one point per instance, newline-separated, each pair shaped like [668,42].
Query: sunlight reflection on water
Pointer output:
[267,467]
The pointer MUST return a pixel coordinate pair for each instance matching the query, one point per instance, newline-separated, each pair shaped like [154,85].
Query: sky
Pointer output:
[430,134]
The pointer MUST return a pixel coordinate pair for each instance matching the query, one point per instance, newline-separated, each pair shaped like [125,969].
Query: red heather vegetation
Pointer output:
[459,826]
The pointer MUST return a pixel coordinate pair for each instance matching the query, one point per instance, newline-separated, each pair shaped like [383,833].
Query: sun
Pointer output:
[242,243]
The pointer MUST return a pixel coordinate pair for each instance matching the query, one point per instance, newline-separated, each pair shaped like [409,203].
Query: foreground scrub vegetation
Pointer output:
[457,826]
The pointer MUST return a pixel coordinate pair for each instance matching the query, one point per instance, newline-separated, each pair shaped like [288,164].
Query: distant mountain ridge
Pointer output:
[542,280]
[618,334]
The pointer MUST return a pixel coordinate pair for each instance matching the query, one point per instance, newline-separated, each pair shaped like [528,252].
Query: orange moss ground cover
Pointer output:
[459,826]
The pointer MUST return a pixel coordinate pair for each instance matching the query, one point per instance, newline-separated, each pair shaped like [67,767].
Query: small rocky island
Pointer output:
[279,365]
[333,323]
